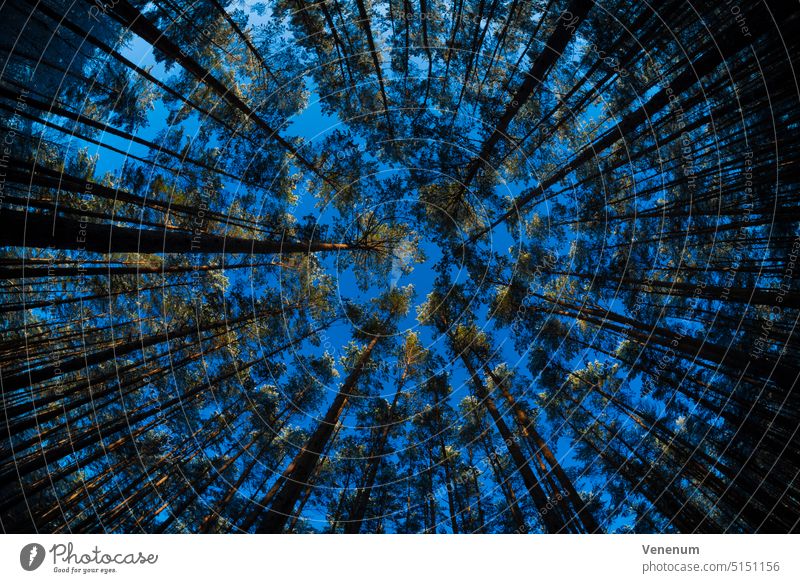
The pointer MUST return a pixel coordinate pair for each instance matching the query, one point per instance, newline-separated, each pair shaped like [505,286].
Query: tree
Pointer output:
[367,266]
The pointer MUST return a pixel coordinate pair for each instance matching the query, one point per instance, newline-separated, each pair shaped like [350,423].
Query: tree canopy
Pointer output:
[399,266]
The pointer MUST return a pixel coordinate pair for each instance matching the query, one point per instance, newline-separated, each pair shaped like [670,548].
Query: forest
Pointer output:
[399,266]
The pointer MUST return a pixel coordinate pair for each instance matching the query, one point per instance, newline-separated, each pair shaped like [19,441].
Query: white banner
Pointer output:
[401,558]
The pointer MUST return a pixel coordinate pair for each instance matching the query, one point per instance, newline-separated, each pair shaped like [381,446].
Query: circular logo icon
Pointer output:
[31,556]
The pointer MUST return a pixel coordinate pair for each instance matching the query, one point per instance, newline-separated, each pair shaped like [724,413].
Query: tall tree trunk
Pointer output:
[21,229]
[356,518]
[288,488]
